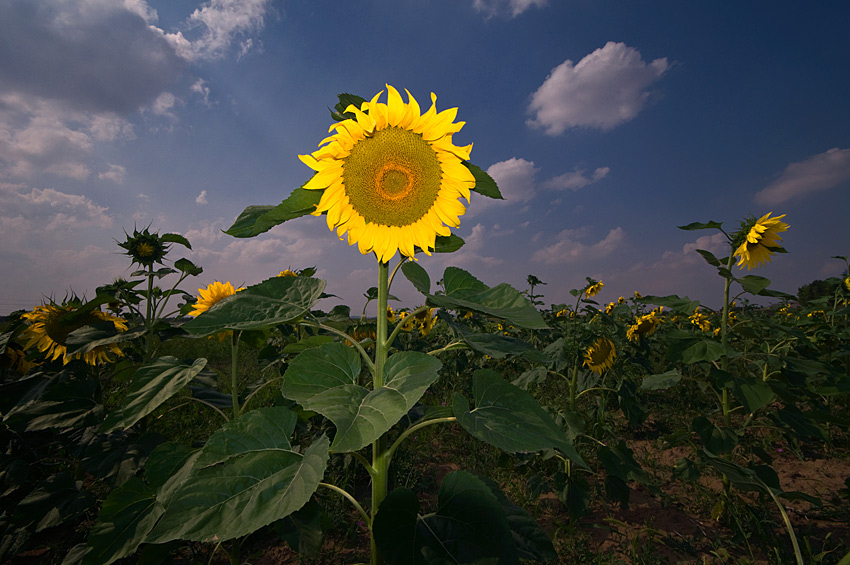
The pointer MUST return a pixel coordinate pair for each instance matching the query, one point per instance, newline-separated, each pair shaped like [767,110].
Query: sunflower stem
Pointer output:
[149,316]
[380,455]
[234,365]
[724,333]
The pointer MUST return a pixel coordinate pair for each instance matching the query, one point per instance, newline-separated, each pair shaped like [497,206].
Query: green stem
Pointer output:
[573,387]
[724,332]
[380,459]
[234,378]
[346,337]
[351,499]
[415,428]
[149,316]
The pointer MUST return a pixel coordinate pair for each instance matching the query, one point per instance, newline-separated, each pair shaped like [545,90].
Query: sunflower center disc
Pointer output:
[392,178]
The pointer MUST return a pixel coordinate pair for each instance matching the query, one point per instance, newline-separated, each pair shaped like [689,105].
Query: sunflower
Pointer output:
[212,295]
[391,315]
[643,326]
[700,320]
[144,247]
[391,176]
[49,328]
[847,283]
[762,236]
[594,289]
[600,355]
[288,273]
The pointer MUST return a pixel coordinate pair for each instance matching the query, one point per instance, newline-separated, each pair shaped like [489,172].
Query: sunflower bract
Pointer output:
[391,176]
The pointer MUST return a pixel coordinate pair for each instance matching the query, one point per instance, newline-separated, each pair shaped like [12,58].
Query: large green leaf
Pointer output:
[469,526]
[255,220]
[247,476]
[89,337]
[464,291]
[484,183]
[127,516]
[152,385]
[324,379]
[66,400]
[661,381]
[418,276]
[509,418]
[495,345]
[278,300]
[701,226]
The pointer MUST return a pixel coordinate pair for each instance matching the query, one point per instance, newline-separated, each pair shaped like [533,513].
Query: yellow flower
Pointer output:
[762,239]
[847,283]
[391,176]
[428,321]
[288,273]
[643,326]
[562,313]
[594,289]
[48,331]
[600,355]
[610,307]
[638,295]
[468,315]
[621,300]
[391,317]
[408,322]
[212,295]
[700,320]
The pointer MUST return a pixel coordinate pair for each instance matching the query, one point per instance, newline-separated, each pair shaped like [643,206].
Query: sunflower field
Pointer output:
[479,425]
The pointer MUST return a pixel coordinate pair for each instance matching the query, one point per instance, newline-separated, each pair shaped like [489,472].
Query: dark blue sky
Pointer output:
[607,124]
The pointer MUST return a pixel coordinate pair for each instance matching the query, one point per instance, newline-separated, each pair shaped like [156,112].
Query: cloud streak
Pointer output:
[821,172]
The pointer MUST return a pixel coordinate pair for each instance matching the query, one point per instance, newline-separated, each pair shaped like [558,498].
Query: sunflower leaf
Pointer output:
[701,226]
[507,417]
[464,291]
[175,238]
[94,335]
[252,478]
[255,220]
[152,385]
[484,183]
[345,100]
[448,243]
[418,276]
[278,300]
[324,379]
[186,266]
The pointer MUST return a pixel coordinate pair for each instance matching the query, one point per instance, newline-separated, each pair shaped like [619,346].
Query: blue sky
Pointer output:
[606,124]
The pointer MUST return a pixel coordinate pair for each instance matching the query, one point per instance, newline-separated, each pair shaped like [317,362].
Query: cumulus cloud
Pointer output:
[48,209]
[821,172]
[576,179]
[605,89]
[115,173]
[517,183]
[212,28]
[515,178]
[568,247]
[202,198]
[93,55]
[508,8]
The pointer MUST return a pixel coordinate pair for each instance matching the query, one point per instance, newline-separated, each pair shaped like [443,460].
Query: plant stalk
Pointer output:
[380,456]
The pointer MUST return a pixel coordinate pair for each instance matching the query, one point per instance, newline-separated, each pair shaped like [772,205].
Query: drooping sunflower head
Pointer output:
[644,325]
[758,240]
[600,355]
[212,295]
[391,176]
[145,248]
[593,289]
[50,324]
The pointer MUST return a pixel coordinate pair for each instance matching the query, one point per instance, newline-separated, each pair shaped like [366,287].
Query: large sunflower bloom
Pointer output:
[644,325]
[600,355]
[210,296]
[392,176]
[48,332]
[762,239]
[594,289]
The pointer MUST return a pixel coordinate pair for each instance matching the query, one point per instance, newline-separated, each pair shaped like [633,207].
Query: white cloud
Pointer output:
[48,209]
[576,179]
[515,178]
[200,87]
[606,88]
[821,172]
[568,247]
[218,23]
[510,8]
[163,105]
[202,198]
[115,173]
